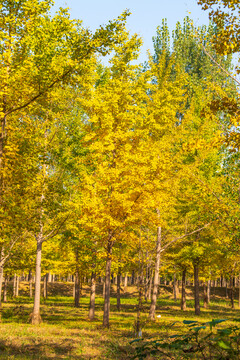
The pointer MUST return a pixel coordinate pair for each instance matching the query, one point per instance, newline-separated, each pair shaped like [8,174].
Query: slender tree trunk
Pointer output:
[133,276]
[17,285]
[74,286]
[208,291]
[5,289]
[92,296]
[1,278]
[103,294]
[156,276]
[205,302]
[175,288]
[45,286]
[119,289]
[14,285]
[239,290]
[30,279]
[49,277]
[183,300]
[125,283]
[139,306]
[150,285]
[196,289]
[106,312]
[77,289]
[1,284]
[232,292]
[36,317]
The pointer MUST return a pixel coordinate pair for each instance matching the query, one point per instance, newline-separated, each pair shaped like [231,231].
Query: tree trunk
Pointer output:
[125,283]
[45,286]
[14,285]
[150,285]
[17,286]
[103,291]
[146,282]
[119,289]
[49,277]
[107,283]
[239,291]
[156,276]
[175,288]
[232,292]
[30,279]
[74,286]
[5,289]
[77,289]
[36,317]
[1,283]
[132,280]
[139,306]
[205,302]
[208,291]
[196,289]
[92,297]
[183,300]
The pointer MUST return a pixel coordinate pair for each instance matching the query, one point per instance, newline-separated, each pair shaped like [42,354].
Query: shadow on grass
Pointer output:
[65,348]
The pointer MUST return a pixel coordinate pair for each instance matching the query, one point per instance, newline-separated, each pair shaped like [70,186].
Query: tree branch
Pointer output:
[219,65]
[183,236]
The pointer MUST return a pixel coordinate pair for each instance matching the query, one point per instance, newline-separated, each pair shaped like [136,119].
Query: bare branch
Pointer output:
[219,65]
[183,236]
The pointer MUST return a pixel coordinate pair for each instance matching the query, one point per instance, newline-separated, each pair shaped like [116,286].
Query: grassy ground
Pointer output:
[66,332]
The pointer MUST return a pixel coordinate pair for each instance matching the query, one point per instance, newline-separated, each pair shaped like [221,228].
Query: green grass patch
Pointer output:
[66,332]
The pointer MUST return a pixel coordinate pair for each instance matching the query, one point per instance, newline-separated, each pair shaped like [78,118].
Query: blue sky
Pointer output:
[146,15]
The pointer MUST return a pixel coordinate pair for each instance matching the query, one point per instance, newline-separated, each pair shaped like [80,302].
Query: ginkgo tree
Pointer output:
[40,56]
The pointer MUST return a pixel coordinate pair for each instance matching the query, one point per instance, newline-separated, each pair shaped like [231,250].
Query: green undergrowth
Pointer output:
[66,332]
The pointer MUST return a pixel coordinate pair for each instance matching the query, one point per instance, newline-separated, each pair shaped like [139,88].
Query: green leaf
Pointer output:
[188,322]
[196,329]
[223,345]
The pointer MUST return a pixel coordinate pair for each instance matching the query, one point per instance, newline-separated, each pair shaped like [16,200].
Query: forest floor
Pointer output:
[66,332]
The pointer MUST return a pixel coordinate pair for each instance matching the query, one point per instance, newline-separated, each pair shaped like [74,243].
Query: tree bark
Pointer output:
[232,292]
[133,278]
[119,289]
[74,286]
[150,285]
[208,291]
[175,288]
[77,289]
[49,277]
[106,311]
[1,283]
[5,289]
[139,306]
[103,293]
[205,302]
[14,285]
[45,286]
[183,299]
[36,317]
[17,285]
[125,283]
[92,297]
[30,279]
[196,289]
[156,276]
[239,291]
